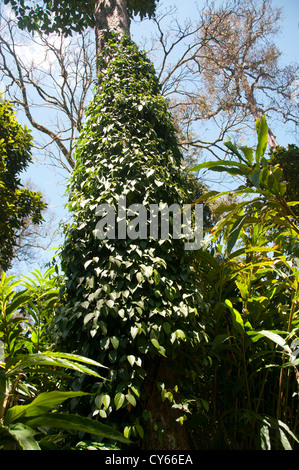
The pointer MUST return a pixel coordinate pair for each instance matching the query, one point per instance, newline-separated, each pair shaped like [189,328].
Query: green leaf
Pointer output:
[128,431]
[115,342]
[110,303]
[140,430]
[155,342]
[74,357]
[19,300]
[119,400]
[131,360]
[248,152]
[134,331]
[265,436]
[234,149]
[26,362]
[220,165]
[255,178]
[234,232]
[131,399]
[43,402]
[180,334]
[287,429]
[237,319]
[136,390]
[277,339]
[24,436]
[106,400]
[262,133]
[160,348]
[157,277]
[284,440]
[147,271]
[76,423]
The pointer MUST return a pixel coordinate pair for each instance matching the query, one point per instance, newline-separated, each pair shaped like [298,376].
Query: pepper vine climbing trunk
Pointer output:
[130,302]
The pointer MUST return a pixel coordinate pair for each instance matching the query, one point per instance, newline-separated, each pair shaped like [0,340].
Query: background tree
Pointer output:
[53,73]
[223,70]
[17,203]
[32,239]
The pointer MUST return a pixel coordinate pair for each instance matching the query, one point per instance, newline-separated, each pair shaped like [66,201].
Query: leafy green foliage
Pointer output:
[27,310]
[288,160]
[67,16]
[16,202]
[127,302]
[251,286]
[20,423]
[42,290]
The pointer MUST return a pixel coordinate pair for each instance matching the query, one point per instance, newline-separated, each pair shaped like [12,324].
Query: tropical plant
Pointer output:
[43,290]
[251,285]
[27,310]
[26,425]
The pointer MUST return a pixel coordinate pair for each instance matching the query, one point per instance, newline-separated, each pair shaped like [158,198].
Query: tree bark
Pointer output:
[174,435]
[111,15]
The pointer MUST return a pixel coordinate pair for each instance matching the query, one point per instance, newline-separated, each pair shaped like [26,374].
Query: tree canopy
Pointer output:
[69,15]
[16,203]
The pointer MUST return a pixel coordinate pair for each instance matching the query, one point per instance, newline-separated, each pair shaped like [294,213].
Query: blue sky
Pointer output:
[289,42]
[48,179]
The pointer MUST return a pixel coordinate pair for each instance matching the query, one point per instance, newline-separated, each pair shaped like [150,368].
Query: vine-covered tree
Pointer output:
[131,301]
[16,202]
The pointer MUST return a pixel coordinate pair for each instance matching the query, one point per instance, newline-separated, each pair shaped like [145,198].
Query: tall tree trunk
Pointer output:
[174,435]
[111,15]
[251,101]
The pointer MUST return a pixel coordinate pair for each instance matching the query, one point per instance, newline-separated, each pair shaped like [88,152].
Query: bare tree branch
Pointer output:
[222,71]
[58,77]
